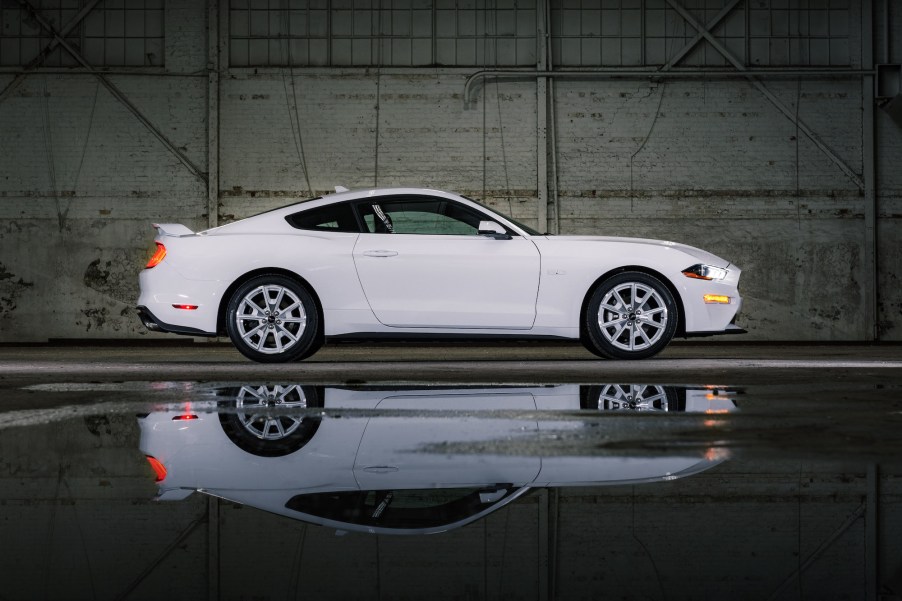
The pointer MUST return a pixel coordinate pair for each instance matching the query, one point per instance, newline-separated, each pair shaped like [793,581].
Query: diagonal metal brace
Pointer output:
[50,47]
[726,10]
[787,112]
[859,511]
[116,92]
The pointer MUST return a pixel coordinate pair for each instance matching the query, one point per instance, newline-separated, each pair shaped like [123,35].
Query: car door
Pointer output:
[405,448]
[422,263]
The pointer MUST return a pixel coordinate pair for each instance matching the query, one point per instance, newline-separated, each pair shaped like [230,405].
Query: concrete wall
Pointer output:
[711,163]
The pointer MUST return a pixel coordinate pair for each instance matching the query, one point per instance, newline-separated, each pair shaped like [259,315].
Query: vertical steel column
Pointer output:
[871,535]
[545,563]
[542,118]
[869,174]
[214,44]
[552,130]
[213,548]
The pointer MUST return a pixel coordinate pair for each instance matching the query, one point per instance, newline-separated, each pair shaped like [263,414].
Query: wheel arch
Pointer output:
[677,298]
[227,295]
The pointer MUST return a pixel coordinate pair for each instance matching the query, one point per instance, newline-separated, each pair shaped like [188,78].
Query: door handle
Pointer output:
[380,253]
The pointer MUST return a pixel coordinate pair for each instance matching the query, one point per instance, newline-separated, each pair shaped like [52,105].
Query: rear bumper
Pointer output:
[152,323]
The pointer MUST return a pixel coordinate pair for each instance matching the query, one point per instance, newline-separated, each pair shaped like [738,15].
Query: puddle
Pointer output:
[161,489]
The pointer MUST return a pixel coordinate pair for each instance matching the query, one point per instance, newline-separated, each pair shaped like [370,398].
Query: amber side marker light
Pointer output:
[157,256]
[717,299]
[158,468]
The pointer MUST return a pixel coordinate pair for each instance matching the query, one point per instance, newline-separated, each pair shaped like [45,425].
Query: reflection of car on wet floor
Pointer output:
[398,460]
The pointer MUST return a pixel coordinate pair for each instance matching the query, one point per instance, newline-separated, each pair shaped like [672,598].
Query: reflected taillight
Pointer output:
[158,468]
[157,256]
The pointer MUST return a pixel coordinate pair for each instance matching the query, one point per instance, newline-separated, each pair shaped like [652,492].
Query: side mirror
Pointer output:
[493,230]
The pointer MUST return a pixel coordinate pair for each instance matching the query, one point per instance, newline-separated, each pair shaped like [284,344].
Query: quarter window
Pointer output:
[331,218]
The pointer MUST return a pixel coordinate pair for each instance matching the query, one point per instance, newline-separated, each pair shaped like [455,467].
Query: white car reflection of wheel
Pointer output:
[631,315]
[267,421]
[632,397]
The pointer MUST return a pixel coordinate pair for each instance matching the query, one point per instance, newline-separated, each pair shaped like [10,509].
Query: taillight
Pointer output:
[157,256]
[158,468]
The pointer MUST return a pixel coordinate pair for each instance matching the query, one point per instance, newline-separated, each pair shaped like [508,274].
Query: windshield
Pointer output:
[525,228]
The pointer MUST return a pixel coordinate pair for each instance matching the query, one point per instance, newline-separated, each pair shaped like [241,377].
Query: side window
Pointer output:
[419,216]
[331,218]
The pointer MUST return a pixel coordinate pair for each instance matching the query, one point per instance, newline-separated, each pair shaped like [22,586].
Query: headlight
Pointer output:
[705,272]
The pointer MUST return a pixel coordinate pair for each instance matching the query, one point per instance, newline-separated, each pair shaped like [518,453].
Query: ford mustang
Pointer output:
[417,263]
[408,460]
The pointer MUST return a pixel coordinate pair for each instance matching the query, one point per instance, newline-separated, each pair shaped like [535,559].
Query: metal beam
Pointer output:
[787,112]
[699,35]
[214,43]
[604,73]
[544,566]
[871,534]
[542,153]
[869,165]
[859,511]
[213,544]
[184,534]
[50,47]
[115,92]
[542,121]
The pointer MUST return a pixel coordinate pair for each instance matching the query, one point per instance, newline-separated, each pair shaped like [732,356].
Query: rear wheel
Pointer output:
[270,421]
[272,319]
[631,315]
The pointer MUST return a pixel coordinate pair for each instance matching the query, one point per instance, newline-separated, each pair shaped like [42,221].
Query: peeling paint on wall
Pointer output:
[10,291]
[114,274]
[95,318]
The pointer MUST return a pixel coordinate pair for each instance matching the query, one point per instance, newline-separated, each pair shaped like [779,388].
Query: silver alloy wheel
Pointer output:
[635,397]
[632,316]
[271,319]
[257,406]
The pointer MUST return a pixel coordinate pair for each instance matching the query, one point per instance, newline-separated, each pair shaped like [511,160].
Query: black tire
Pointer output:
[632,397]
[634,332]
[253,420]
[259,335]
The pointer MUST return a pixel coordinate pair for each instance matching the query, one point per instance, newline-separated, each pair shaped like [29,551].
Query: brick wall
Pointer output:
[709,163]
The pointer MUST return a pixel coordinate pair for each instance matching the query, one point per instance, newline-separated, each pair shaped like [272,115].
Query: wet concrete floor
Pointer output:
[715,471]
[487,363]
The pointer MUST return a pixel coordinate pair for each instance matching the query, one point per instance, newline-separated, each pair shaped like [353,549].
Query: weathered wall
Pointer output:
[710,163]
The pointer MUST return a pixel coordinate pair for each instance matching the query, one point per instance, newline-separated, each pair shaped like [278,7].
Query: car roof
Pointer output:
[362,194]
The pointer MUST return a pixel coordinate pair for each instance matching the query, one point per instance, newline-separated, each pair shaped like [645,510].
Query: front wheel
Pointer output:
[631,315]
[272,319]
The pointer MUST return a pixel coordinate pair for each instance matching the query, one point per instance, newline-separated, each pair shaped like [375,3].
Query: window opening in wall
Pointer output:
[764,33]
[400,33]
[115,33]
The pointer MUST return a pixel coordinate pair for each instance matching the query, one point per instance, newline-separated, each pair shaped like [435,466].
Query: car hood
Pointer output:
[696,253]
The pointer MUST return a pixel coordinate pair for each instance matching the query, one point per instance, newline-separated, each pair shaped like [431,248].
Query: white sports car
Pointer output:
[416,263]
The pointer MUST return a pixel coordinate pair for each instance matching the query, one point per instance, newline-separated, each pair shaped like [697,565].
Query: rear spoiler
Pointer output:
[176,230]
